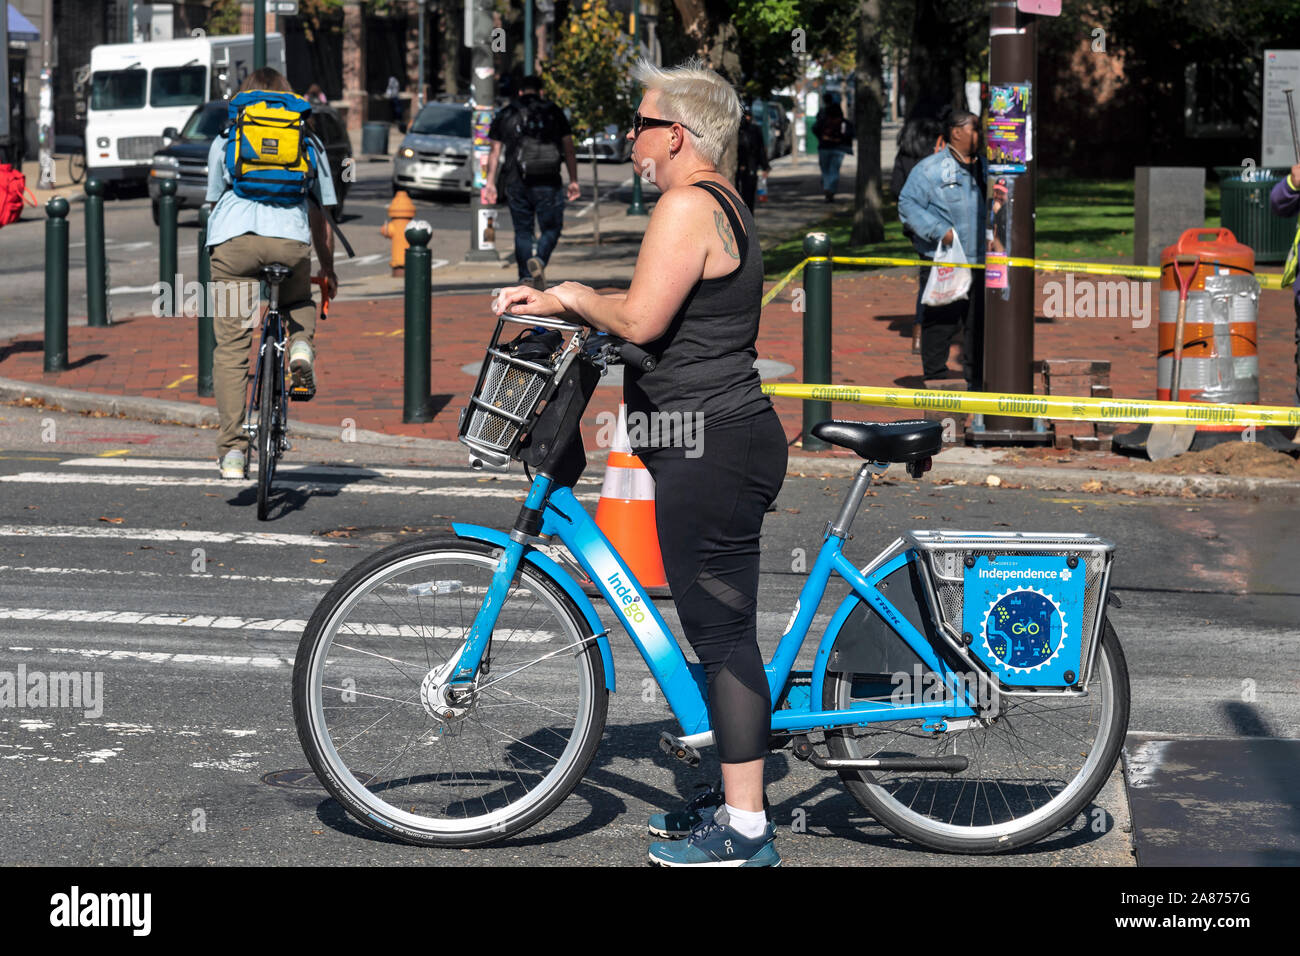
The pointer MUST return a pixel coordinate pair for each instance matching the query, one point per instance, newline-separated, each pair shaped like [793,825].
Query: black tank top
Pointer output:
[706,356]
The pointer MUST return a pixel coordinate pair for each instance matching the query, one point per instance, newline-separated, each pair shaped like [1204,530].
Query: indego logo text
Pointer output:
[631,603]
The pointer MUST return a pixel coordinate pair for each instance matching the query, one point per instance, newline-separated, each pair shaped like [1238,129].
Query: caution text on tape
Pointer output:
[1267,280]
[1065,407]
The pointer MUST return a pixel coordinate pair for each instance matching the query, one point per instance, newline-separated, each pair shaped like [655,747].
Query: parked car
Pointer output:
[435,153]
[611,146]
[185,158]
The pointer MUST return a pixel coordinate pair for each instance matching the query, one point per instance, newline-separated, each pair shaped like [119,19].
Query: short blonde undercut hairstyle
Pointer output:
[699,99]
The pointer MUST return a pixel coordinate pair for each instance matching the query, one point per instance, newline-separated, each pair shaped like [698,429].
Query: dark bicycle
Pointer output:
[268,413]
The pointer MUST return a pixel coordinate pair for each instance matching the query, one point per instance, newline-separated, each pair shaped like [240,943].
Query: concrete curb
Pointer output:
[196,416]
[1046,479]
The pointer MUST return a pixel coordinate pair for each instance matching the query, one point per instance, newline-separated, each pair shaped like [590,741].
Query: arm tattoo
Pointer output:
[724,231]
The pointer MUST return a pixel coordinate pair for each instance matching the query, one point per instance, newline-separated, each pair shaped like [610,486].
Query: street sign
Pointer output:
[1281,71]
[285,8]
[1044,8]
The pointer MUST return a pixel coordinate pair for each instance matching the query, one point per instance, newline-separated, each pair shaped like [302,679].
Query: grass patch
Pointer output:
[1086,219]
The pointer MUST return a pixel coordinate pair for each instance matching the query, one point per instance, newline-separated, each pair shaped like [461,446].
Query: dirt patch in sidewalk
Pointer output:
[1237,458]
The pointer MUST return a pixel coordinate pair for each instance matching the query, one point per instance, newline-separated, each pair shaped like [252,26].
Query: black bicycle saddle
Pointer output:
[884,441]
[276,272]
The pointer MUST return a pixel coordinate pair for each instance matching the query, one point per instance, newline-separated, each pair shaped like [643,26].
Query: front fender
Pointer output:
[543,563]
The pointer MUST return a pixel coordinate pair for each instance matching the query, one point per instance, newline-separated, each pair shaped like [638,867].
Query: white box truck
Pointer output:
[137,90]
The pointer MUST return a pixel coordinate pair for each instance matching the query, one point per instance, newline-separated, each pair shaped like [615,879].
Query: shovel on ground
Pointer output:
[1166,441]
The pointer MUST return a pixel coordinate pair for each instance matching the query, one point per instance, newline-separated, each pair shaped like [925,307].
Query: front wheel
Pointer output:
[268,424]
[77,167]
[407,757]
[1032,768]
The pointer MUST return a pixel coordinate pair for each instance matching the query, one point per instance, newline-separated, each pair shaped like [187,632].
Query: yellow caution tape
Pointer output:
[1267,280]
[1117,410]
[775,290]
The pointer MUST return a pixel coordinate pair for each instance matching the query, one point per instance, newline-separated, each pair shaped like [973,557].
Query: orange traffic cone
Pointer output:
[626,511]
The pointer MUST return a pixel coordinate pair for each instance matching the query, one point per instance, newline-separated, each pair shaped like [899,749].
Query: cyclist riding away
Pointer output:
[270,186]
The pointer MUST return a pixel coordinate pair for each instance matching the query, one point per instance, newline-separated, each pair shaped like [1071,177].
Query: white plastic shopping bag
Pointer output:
[947,283]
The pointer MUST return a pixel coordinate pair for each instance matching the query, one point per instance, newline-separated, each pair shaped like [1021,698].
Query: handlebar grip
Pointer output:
[635,355]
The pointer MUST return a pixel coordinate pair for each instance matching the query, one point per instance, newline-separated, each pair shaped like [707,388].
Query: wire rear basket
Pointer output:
[1030,606]
[514,383]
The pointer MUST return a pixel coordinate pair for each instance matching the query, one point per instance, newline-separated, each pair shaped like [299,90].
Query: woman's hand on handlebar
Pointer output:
[525,300]
[558,300]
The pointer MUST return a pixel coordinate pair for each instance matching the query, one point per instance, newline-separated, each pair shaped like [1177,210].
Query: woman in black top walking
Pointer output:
[694,304]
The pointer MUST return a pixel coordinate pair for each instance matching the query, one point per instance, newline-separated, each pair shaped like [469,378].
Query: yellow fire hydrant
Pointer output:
[400,213]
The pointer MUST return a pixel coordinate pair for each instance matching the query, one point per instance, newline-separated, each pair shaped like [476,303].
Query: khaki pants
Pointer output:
[236,262]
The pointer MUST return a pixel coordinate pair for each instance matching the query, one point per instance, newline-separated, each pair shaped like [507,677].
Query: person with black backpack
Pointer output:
[269,179]
[531,139]
[835,136]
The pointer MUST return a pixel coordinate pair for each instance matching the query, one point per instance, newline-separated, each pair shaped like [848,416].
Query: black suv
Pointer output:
[185,158]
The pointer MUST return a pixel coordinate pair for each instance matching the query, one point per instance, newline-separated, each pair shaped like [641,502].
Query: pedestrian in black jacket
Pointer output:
[751,156]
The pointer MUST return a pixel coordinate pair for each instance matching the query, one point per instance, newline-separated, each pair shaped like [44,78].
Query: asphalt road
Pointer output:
[131,244]
[100,515]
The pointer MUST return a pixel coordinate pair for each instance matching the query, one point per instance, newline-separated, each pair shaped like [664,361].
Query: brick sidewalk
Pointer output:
[360,361]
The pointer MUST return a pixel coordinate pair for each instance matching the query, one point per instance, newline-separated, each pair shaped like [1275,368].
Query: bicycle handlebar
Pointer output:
[635,355]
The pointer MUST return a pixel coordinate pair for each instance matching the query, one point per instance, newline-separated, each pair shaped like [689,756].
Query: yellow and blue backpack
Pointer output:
[269,155]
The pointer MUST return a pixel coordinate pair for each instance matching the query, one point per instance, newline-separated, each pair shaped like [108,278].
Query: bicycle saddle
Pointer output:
[276,272]
[884,441]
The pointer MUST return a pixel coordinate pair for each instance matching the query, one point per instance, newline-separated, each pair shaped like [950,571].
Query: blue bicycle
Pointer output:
[452,691]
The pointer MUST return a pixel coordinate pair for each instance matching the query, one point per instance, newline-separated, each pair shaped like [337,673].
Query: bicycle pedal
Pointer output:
[301,393]
[675,747]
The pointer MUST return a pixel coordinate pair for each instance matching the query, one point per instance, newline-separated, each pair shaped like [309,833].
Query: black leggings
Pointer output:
[709,511]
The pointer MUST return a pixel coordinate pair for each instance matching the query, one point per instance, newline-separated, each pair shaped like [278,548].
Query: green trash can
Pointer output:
[809,139]
[374,139]
[1244,209]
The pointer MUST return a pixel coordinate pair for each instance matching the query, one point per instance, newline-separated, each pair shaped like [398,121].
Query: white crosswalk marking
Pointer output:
[341,486]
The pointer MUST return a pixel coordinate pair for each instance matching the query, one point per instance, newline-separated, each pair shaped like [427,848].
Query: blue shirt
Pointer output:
[233,216]
[942,194]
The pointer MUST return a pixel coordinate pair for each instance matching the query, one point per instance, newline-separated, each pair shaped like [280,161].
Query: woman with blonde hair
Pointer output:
[694,304]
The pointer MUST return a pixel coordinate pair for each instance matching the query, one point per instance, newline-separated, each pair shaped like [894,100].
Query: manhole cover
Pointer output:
[293,779]
[306,779]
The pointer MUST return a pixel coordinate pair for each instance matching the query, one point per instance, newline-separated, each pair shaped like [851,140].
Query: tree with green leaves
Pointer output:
[589,74]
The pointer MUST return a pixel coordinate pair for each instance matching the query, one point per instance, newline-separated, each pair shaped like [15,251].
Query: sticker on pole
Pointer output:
[1025,617]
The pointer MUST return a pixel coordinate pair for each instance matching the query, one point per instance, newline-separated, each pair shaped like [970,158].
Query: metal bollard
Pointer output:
[207,335]
[816,333]
[167,244]
[96,262]
[418,360]
[56,284]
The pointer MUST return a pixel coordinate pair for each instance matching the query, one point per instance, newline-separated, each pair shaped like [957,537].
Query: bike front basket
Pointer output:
[1029,607]
[514,383]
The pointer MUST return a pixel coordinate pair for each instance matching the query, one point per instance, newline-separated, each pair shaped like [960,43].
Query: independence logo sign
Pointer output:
[1025,613]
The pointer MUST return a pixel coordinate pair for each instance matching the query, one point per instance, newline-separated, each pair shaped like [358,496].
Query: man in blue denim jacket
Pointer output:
[943,198]
[1285,202]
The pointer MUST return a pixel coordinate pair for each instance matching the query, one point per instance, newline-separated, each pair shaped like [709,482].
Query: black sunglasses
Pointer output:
[640,122]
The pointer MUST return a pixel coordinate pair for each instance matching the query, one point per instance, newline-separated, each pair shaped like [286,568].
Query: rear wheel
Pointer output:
[1032,768]
[411,759]
[268,425]
[77,167]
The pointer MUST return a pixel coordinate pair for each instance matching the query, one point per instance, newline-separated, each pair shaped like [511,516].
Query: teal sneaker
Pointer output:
[715,843]
[678,824]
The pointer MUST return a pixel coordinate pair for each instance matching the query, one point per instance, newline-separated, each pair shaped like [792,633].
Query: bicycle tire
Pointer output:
[417,796]
[76,167]
[267,422]
[893,798]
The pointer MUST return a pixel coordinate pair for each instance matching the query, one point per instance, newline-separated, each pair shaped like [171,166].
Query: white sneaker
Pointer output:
[232,464]
[302,382]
